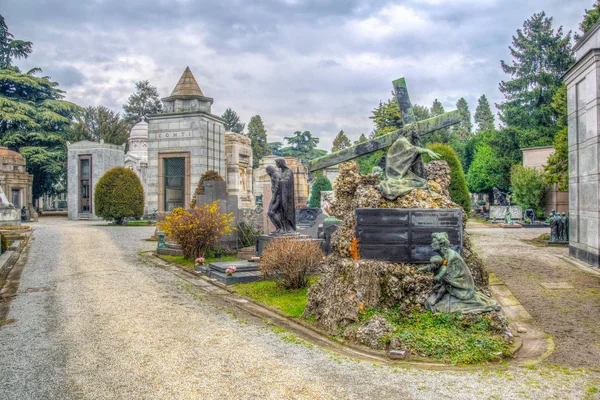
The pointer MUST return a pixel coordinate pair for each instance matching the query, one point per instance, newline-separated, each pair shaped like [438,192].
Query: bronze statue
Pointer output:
[554,222]
[282,210]
[455,289]
[275,209]
[402,168]
[288,216]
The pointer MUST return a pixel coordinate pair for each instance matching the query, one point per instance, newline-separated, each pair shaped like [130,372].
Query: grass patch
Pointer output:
[291,302]
[446,337]
[189,263]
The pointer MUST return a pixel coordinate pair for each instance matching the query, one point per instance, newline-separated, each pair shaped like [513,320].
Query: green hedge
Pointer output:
[459,192]
[320,184]
[118,195]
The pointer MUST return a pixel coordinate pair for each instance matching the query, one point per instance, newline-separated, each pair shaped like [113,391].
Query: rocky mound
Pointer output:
[348,285]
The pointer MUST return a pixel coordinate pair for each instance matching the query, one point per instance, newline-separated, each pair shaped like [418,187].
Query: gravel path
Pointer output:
[571,316]
[91,321]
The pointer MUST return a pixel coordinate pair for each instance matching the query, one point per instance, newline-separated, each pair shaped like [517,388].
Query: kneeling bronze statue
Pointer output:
[455,289]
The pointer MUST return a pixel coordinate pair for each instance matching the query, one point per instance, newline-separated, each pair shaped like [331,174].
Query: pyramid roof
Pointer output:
[187,85]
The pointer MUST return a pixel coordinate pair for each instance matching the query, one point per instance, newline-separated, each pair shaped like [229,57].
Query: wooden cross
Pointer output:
[410,125]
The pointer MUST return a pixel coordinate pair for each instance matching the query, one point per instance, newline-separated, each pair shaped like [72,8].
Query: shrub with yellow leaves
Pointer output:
[198,229]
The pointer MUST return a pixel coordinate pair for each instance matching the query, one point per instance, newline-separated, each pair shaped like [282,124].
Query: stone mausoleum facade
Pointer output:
[16,182]
[583,107]
[184,141]
[86,163]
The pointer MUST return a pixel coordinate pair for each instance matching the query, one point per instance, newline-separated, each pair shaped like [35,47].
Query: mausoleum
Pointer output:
[136,158]
[583,108]
[184,141]
[16,182]
[238,157]
[86,163]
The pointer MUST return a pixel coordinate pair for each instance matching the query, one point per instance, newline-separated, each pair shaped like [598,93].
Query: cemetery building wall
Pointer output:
[16,182]
[196,136]
[238,159]
[103,157]
[584,145]
[537,157]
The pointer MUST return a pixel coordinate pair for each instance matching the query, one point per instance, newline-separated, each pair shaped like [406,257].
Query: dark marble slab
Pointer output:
[404,234]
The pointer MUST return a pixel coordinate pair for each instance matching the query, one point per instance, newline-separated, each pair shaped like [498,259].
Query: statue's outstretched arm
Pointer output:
[432,154]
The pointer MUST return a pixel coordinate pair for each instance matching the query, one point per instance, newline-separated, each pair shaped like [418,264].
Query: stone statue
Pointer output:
[554,221]
[275,210]
[288,207]
[400,176]
[455,289]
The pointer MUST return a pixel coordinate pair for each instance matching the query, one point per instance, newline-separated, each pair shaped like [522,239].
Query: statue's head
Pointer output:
[270,170]
[439,240]
[280,162]
[564,214]
[553,212]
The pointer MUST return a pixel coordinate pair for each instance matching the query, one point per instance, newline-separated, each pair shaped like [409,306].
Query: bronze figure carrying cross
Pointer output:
[411,130]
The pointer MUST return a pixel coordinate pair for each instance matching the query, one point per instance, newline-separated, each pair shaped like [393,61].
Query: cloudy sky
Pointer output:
[317,65]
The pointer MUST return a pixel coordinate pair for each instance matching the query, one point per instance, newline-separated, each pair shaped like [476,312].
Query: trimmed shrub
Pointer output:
[3,243]
[289,260]
[320,184]
[529,188]
[459,192]
[209,175]
[118,195]
[198,229]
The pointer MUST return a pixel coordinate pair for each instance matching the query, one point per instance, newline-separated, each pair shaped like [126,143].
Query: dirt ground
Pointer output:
[570,316]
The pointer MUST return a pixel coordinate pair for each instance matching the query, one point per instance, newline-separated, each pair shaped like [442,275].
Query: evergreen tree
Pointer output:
[541,56]
[97,124]
[479,177]
[144,101]
[34,117]
[464,128]
[421,112]
[320,184]
[11,48]
[386,117]
[340,142]
[258,138]
[557,166]
[361,139]
[589,19]
[302,141]
[232,121]
[484,118]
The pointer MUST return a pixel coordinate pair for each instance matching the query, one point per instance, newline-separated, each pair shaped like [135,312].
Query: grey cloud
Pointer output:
[295,64]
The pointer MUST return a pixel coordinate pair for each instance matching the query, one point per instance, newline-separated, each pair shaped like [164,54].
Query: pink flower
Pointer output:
[200,260]
[230,270]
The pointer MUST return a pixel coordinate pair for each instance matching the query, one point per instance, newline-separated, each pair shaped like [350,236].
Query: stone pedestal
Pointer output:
[268,226]
[583,108]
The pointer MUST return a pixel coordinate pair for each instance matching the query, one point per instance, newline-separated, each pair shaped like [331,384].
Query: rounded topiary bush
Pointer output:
[459,192]
[320,184]
[118,195]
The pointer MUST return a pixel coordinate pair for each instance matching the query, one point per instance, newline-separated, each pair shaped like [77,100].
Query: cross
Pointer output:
[409,126]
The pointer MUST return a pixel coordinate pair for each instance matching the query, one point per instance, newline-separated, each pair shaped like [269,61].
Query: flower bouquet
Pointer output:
[230,270]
